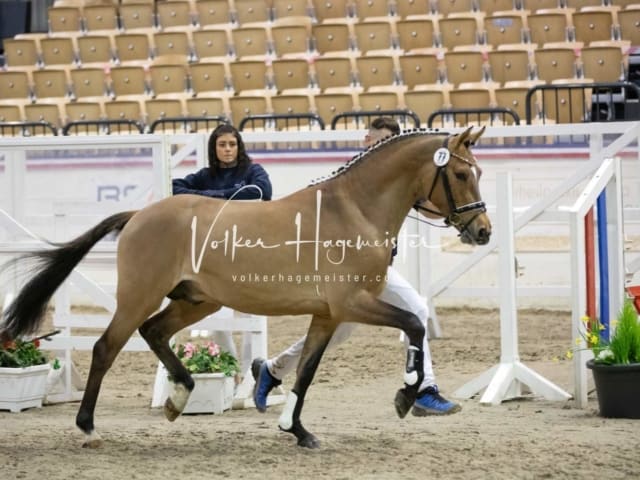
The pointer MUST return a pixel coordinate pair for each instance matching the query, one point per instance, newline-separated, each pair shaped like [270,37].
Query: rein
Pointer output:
[455,213]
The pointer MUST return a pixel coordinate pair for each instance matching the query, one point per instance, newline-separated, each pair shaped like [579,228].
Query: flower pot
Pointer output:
[618,389]
[22,388]
[213,393]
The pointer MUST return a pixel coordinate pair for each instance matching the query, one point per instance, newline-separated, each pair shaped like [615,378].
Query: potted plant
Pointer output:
[616,364]
[213,372]
[23,374]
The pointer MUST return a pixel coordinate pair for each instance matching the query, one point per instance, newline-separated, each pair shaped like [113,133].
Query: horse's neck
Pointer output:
[384,189]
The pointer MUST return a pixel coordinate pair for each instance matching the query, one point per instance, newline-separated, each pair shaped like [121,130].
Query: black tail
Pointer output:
[26,312]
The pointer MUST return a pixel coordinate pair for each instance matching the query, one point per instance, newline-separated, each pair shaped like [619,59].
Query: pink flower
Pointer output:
[214,349]
[189,350]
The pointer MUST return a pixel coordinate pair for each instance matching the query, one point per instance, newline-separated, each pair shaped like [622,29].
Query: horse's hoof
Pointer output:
[309,441]
[403,402]
[170,410]
[93,444]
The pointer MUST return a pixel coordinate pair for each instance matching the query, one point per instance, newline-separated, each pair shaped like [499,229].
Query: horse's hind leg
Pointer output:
[318,336]
[105,350]
[158,330]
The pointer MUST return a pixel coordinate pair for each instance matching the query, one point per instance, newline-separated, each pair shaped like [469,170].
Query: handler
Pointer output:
[398,292]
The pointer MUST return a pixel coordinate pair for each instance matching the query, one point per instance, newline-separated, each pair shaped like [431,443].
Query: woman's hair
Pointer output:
[214,164]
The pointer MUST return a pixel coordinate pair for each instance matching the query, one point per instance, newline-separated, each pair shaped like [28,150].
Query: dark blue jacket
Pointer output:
[226,183]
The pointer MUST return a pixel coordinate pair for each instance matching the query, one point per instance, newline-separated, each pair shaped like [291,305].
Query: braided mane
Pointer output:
[359,158]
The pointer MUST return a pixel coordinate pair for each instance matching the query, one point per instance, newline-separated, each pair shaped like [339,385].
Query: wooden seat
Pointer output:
[371,10]
[291,40]
[332,11]
[565,104]
[175,15]
[213,13]
[100,18]
[328,105]
[333,73]
[169,81]
[374,37]
[334,39]
[89,84]
[64,19]
[504,29]
[629,21]
[80,112]
[379,101]
[165,108]
[472,96]
[377,72]
[133,48]
[58,51]
[555,63]
[448,7]
[211,45]
[414,9]
[546,27]
[593,25]
[490,7]
[249,77]
[293,105]
[603,63]
[50,83]
[291,75]
[508,65]
[416,34]
[513,95]
[464,66]
[96,50]
[128,82]
[207,107]
[291,9]
[51,111]
[15,87]
[209,78]
[136,16]
[10,113]
[576,4]
[20,53]
[420,69]
[174,42]
[423,102]
[245,106]
[131,109]
[256,13]
[458,31]
[251,43]
[534,5]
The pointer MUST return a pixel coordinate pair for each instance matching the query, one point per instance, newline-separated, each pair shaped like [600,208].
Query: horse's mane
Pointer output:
[360,157]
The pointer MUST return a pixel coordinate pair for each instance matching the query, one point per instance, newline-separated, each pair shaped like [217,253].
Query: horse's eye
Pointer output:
[462,176]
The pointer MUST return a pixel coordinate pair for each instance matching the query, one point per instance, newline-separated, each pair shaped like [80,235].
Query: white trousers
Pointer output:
[397,292]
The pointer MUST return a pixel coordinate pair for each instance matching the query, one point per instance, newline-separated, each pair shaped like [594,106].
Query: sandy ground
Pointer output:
[349,407]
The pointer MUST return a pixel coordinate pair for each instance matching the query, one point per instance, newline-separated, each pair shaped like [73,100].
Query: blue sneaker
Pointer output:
[265,382]
[430,402]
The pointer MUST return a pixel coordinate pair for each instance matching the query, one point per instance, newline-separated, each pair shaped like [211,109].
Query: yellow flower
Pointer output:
[585,319]
[569,354]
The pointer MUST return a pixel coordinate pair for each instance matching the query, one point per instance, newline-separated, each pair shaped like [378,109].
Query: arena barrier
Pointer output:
[419,264]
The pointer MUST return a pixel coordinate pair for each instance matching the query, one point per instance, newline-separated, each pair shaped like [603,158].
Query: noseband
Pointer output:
[454,218]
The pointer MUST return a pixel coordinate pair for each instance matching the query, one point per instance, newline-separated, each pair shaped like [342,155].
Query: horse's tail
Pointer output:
[26,312]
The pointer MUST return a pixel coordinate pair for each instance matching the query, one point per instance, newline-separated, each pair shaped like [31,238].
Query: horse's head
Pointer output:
[454,189]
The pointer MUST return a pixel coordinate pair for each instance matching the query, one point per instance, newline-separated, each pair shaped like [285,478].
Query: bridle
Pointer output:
[454,218]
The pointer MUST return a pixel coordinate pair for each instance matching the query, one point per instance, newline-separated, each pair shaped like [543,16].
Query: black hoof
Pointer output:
[403,402]
[309,441]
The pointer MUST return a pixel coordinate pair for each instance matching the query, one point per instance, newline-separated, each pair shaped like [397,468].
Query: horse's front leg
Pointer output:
[364,307]
[318,336]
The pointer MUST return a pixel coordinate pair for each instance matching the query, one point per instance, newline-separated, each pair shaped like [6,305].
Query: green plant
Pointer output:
[207,358]
[21,353]
[624,345]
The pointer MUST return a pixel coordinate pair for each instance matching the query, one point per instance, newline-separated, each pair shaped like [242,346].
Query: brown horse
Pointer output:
[322,251]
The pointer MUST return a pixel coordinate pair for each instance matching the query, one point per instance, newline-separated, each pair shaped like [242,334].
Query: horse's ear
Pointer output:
[474,137]
[460,139]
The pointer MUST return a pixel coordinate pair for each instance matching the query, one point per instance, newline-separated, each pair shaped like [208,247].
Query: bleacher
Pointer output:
[184,65]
